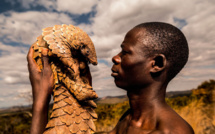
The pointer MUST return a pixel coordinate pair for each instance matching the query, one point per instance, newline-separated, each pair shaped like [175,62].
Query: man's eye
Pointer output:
[124,52]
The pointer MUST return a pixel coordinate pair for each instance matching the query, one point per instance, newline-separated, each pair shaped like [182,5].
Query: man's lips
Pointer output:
[114,73]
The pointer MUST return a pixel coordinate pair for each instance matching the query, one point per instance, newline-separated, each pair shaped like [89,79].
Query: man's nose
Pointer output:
[116,59]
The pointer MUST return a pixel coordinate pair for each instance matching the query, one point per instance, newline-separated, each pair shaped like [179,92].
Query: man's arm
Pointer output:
[42,86]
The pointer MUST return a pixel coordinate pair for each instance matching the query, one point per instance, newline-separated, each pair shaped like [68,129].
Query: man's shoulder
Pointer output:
[175,130]
[170,122]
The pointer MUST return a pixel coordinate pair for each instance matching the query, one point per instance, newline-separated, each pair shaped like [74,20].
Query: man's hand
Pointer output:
[41,80]
[42,85]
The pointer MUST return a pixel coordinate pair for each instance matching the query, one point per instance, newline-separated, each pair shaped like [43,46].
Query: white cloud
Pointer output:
[101,76]
[71,6]
[6,49]
[14,68]
[24,27]
[10,94]
[76,6]
[9,79]
[2,99]
[109,26]
[103,83]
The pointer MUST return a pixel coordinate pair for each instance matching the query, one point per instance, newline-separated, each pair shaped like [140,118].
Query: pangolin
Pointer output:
[70,51]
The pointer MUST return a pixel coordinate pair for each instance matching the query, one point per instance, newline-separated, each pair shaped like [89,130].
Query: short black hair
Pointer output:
[164,38]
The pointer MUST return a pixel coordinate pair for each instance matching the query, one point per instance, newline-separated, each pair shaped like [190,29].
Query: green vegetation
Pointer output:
[109,114]
[18,123]
[197,108]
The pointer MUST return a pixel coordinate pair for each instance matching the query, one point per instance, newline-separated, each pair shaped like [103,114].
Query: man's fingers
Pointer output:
[30,56]
[31,62]
[45,58]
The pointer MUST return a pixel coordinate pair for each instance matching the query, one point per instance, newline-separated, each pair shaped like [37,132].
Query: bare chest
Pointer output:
[125,127]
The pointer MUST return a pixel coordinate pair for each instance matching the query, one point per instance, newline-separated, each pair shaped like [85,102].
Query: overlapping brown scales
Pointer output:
[59,98]
[48,29]
[55,122]
[72,110]
[68,109]
[58,112]
[85,116]
[63,129]
[74,128]
[92,113]
[76,118]
[50,131]
[67,119]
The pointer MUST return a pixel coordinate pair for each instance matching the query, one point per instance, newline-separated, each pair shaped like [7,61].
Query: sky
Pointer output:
[107,22]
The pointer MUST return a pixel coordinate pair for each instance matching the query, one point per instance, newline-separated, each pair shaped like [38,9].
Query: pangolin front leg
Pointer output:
[80,87]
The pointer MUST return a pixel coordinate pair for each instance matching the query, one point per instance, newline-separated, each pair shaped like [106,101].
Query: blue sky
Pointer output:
[106,21]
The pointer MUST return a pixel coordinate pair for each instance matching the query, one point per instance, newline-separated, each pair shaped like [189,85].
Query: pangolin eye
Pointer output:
[88,52]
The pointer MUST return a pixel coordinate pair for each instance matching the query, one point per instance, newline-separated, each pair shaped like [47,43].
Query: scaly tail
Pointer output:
[69,116]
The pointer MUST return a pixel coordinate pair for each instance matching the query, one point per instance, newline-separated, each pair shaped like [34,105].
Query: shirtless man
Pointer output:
[152,54]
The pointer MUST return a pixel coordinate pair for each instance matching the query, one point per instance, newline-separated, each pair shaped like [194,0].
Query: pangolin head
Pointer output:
[88,50]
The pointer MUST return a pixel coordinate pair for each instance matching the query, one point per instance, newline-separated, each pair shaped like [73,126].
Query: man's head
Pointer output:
[147,50]
[166,39]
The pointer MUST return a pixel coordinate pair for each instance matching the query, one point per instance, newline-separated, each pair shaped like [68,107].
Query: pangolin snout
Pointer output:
[95,63]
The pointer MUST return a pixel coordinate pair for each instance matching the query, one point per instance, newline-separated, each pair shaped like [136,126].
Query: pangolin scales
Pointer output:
[70,51]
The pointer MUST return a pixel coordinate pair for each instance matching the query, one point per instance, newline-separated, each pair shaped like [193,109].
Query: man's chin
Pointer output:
[120,85]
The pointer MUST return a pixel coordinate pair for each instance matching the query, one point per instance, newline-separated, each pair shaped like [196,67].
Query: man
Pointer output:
[152,54]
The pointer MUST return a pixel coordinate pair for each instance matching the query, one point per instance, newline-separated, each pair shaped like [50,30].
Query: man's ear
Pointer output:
[158,63]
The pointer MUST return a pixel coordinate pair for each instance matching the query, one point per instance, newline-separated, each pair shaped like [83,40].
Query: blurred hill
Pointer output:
[120,99]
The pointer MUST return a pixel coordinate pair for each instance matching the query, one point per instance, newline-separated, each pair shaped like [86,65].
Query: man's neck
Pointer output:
[144,104]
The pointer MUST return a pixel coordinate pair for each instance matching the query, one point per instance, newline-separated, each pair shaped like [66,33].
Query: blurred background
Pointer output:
[107,21]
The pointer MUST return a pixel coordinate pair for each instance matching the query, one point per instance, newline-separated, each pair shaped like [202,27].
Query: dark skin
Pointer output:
[145,80]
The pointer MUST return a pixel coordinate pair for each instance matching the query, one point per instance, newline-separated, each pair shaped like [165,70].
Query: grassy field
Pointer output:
[197,108]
